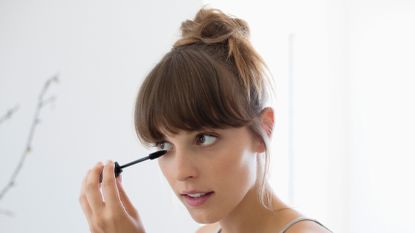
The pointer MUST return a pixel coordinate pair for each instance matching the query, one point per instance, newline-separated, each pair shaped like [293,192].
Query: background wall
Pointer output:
[342,147]
[382,113]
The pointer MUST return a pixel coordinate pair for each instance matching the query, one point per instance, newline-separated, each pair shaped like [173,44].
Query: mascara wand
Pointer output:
[118,168]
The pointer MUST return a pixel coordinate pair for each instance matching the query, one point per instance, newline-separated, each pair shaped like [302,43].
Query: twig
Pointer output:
[8,114]
[6,212]
[41,103]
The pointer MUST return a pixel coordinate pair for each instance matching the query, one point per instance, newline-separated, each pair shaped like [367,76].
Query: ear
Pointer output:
[267,124]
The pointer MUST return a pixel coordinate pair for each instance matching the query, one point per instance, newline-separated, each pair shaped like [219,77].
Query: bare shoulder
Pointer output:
[307,227]
[208,228]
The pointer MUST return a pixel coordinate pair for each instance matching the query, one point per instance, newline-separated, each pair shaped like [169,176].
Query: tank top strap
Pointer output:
[293,222]
[300,219]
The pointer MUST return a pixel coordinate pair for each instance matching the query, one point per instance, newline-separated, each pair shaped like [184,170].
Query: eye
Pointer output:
[206,139]
[163,145]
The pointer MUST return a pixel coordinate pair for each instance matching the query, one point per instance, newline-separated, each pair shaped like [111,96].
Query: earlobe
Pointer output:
[260,148]
[267,120]
[267,124]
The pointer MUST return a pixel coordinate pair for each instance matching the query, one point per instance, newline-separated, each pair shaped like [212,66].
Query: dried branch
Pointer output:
[7,213]
[41,103]
[8,114]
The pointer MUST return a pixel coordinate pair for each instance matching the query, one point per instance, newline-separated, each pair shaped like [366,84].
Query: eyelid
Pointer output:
[210,133]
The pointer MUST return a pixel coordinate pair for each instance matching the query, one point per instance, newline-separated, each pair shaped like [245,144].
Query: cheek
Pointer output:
[165,169]
[238,170]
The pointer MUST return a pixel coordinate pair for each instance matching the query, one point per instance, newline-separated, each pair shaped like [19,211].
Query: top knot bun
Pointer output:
[227,40]
[211,26]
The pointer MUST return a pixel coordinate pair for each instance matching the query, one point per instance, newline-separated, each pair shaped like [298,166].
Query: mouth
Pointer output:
[196,198]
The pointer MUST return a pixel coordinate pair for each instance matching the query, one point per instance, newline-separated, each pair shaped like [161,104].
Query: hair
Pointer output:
[211,78]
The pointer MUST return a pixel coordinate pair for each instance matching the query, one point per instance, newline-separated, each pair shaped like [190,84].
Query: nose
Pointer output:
[185,165]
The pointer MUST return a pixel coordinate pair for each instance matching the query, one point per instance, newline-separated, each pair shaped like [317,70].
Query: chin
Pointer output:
[203,217]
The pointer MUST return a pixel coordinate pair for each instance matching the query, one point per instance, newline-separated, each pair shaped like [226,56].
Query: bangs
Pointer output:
[189,90]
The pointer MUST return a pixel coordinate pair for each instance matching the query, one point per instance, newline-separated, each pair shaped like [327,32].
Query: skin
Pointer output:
[225,165]
[222,161]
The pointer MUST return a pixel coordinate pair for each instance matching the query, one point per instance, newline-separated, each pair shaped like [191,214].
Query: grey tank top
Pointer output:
[293,222]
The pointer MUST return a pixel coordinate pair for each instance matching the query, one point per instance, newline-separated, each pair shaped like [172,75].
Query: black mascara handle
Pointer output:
[117,171]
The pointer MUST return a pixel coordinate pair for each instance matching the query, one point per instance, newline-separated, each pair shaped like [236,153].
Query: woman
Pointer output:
[204,104]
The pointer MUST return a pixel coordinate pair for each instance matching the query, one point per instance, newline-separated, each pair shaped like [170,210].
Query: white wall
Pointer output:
[101,51]
[382,113]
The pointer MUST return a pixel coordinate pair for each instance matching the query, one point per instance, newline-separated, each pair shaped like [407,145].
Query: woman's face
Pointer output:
[210,171]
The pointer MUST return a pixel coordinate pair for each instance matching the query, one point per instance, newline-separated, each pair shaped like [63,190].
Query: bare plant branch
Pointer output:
[41,103]
[48,101]
[8,114]
[7,213]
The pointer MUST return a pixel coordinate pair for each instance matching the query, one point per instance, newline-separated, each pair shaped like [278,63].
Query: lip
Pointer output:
[193,192]
[196,201]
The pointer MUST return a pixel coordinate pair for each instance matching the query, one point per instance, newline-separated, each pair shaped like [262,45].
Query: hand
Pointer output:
[110,211]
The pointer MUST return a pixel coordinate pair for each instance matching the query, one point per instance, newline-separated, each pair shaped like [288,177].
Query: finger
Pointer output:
[109,187]
[128,205]
[119,178]
[85,207]
[83,200]
[93,193]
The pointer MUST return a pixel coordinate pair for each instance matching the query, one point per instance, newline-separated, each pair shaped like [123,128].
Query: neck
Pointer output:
[251,216]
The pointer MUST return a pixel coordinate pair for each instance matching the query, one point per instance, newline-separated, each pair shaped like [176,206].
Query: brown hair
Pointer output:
[211,78]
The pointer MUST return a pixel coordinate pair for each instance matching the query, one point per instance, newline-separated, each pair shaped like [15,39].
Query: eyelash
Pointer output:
[157,144]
